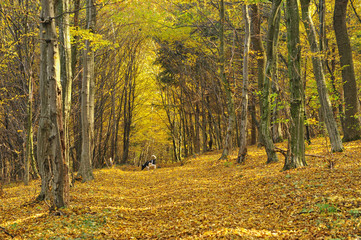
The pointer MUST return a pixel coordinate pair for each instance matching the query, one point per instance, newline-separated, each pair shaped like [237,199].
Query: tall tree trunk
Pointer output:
[129,97]
[322,18]
[29,139]
[204,124]
[87,104]
[244,107]
[296,156]
[254,122]
[28,73]
[352,130]
[77,75]
[257,45]
[227,87]
[51,145]
[197,138]
[318,71]
[126,124]
[271,46]
[65,72]
[276,129]
[29,156]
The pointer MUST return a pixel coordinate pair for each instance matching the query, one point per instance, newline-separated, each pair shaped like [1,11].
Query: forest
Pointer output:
[250,107]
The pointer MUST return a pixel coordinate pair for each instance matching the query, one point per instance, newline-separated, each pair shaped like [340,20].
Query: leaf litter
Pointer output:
[204,199]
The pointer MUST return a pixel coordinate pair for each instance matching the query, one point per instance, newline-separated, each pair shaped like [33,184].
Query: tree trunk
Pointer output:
[29,156]
[276,129]
[227,87]
[296,156]
[204,126]
[271,46]
[65,72]
[352,129]
[51,145]
[85,169]
[254,123]
[318,70]
[244,107]
[197,138]
[27,67]
[257,45]
[128,107]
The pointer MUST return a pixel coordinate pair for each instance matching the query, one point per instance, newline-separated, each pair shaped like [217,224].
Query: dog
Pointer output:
[150,163]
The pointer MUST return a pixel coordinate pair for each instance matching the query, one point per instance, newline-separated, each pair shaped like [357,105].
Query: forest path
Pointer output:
[204,199]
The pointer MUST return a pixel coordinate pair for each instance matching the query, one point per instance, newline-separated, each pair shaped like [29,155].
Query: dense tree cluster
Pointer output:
[86,83]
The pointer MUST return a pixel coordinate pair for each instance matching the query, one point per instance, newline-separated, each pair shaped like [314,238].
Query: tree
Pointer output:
[87,99]
[29,154]
[66,76]
[318,71]
[51,142]
[352,129]
[129,96]
[296,156]
[257,46]
[243,121]
[226,85]
[271,47]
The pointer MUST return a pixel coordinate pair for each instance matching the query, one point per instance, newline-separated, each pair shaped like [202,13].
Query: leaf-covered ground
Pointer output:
[204,199]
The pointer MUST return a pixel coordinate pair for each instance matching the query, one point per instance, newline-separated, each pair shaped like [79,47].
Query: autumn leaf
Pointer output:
[199,200]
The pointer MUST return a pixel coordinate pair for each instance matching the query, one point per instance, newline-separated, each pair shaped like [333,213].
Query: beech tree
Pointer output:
[66,76]
[173,79]
[87,99]
[226,85]
[352,129]
[271,52]
[296,155]
[244,107]
[318,71]
[51,142]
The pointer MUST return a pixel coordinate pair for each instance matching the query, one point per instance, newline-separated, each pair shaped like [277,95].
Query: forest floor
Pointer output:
[204,199]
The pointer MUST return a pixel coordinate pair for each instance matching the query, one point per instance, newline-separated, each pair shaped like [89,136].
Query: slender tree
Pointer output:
[352,128]
[29,155]
[257,46]
[66,76]
[243,121]
[29,141]
[296,156]
[271,46]
[87,99]
[77,75]
[226,85]
[318,71]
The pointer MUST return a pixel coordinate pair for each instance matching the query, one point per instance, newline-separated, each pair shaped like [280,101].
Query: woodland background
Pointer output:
[128,79]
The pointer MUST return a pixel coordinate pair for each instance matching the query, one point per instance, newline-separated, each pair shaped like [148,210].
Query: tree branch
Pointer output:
[6,232]
[354,10]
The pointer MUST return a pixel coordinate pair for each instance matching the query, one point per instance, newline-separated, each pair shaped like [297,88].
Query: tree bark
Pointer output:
[276,128]
[227,87]
[271,46]
[87,100]
[77,130]
[257,45]
[29,156]
[66,71]
[352,130]
[244,107]
[318,70]
[51,145]
[296,157]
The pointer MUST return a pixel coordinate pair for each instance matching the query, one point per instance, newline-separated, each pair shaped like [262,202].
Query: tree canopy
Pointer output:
[104,82]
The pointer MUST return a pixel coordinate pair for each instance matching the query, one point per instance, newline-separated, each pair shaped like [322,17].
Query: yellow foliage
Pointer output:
[204,199]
